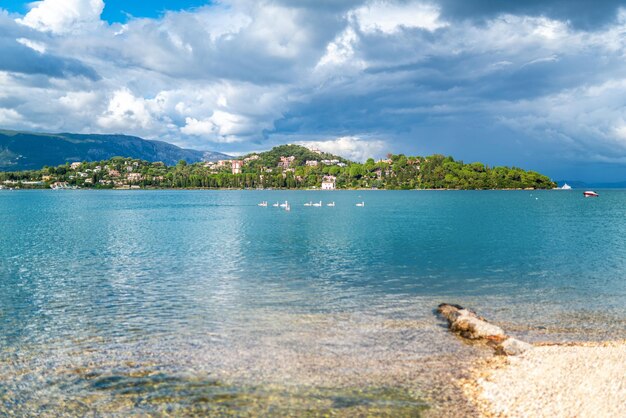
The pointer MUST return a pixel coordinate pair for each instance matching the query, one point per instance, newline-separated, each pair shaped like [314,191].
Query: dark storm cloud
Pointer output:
[584,14]
[17,58]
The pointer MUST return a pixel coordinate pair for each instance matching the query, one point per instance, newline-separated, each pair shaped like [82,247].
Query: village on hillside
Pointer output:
[283,167]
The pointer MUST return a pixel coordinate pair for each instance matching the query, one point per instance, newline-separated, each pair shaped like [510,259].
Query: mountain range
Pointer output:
[32,151]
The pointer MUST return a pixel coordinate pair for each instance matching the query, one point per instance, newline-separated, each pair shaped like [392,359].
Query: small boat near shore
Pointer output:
[331,204]
[590,193]
[263,204]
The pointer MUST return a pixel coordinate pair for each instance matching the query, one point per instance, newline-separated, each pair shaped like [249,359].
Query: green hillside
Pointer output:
[286,166]
[32,151]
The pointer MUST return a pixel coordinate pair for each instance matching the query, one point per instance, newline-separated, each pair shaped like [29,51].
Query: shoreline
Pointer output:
[282,190]
[552,380]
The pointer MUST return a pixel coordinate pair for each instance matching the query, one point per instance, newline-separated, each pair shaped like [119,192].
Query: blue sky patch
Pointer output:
[120,10]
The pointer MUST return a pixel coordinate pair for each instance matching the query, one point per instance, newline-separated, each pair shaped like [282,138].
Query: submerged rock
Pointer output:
[448,310]
[513,347]
[474,329]
[469,325]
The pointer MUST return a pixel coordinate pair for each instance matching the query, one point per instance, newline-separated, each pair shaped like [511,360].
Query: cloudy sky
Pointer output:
[539,84]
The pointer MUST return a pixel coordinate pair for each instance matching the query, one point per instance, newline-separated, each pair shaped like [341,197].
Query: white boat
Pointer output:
[284,205]
[318,205]
[331,204]
[590,193]
[566,187]
[275,205]
[362,204]
[263,204]
[308,204]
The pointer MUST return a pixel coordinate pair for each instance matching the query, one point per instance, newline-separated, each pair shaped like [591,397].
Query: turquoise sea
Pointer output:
[181,303]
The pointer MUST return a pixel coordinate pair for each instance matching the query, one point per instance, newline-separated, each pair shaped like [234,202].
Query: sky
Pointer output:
[539,84]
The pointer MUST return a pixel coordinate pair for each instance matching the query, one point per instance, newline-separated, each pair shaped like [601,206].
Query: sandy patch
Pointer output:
[572,380]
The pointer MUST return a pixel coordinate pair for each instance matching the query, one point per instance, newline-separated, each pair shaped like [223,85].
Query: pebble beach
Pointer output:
[552,380]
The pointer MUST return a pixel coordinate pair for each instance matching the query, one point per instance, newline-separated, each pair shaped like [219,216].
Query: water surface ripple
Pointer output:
[201,302]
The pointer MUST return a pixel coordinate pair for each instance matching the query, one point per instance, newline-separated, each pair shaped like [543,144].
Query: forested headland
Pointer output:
[283,167]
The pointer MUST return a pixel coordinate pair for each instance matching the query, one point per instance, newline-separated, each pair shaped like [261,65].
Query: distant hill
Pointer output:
[32,151]
[301,156]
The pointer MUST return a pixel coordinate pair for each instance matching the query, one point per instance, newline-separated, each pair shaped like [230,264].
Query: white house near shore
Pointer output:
[329,183]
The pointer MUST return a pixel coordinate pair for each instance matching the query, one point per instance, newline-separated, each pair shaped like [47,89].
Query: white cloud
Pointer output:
[341,51]
[126,112]
[389,17]
[222,126]
[516,33]
[620,131]
[80,100]
[198,127]
[9,116]
[62,16]
[34,45]
[350,147]
[588,121]
[229,124]
[277,30]
[551,58]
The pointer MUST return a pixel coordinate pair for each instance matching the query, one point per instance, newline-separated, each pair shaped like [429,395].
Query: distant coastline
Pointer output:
[286,167]
[147,189]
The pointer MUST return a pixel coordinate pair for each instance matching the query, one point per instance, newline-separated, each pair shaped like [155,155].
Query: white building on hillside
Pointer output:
[329,183]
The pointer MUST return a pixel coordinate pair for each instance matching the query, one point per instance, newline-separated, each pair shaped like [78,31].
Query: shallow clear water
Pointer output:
[196,302]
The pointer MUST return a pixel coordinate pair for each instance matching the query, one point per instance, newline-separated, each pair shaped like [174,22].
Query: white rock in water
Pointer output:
[473,328]
[514,347]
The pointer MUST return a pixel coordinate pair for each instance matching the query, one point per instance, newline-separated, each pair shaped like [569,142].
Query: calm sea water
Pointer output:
[201,302]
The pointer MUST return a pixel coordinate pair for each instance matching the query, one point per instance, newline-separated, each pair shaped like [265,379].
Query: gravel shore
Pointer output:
[565,380]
